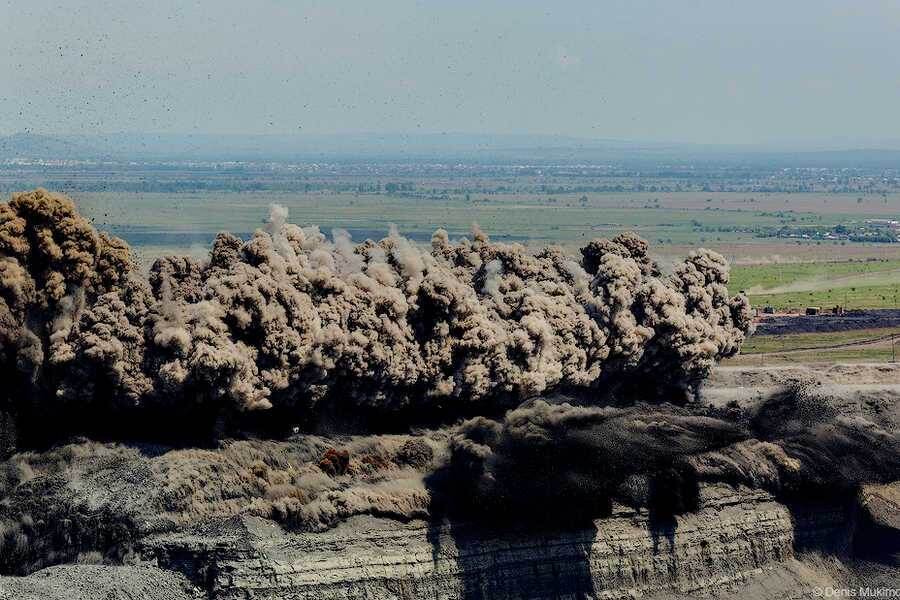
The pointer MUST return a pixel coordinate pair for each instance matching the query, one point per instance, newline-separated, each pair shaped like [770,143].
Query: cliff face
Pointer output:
[736,536]
[739,541]
[183,515]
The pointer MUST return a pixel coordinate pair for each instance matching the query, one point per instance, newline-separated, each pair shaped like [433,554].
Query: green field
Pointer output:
[157,223]
[852,284]
[773,276]
[862,345]
[526,217]
[798,341]
[866,354]
[876,296]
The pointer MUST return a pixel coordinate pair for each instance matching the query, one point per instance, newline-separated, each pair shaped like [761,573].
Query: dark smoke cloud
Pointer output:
[804,439]
[293,319]
[574,461]
[558,462]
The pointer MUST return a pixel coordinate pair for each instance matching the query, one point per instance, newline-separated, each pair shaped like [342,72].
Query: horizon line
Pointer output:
[567,141]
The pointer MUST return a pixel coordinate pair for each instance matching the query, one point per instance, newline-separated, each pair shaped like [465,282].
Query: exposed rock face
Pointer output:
[739,540]
[878,532]
[178,524]
[734,537]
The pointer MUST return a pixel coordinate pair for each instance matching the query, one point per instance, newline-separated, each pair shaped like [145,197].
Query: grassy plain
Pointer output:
[771,277]
[876,353]
[874,296]
[794,342]
[868,283]
[672,222]
[862,345]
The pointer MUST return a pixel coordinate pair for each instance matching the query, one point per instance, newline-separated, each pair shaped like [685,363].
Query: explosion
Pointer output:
[574,375]
[293,320]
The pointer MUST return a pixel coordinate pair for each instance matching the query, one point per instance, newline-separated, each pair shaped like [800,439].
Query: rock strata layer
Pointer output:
[735,536]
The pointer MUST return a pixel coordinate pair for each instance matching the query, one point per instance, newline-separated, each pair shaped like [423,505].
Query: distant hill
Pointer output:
[369,147]
[446,147]
[365,146]
[37,147]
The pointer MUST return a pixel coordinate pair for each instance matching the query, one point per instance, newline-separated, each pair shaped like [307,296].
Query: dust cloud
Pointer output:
[295,320]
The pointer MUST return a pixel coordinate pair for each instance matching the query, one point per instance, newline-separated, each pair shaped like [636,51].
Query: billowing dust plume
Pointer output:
[295,320]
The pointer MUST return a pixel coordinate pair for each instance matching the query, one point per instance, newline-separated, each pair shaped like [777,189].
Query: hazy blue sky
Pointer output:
[705,71]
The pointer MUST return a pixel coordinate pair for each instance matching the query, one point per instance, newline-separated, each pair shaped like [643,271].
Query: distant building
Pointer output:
[883,223]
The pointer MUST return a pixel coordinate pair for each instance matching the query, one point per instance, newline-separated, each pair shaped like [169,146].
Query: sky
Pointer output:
[717,71]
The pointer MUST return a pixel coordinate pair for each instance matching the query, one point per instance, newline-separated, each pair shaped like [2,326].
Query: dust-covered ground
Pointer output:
[853,385]
[90,504]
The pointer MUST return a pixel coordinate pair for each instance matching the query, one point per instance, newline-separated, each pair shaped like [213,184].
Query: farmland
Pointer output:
[756,279]
[863,345]
[672,222]
[853,297]
[867,283]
